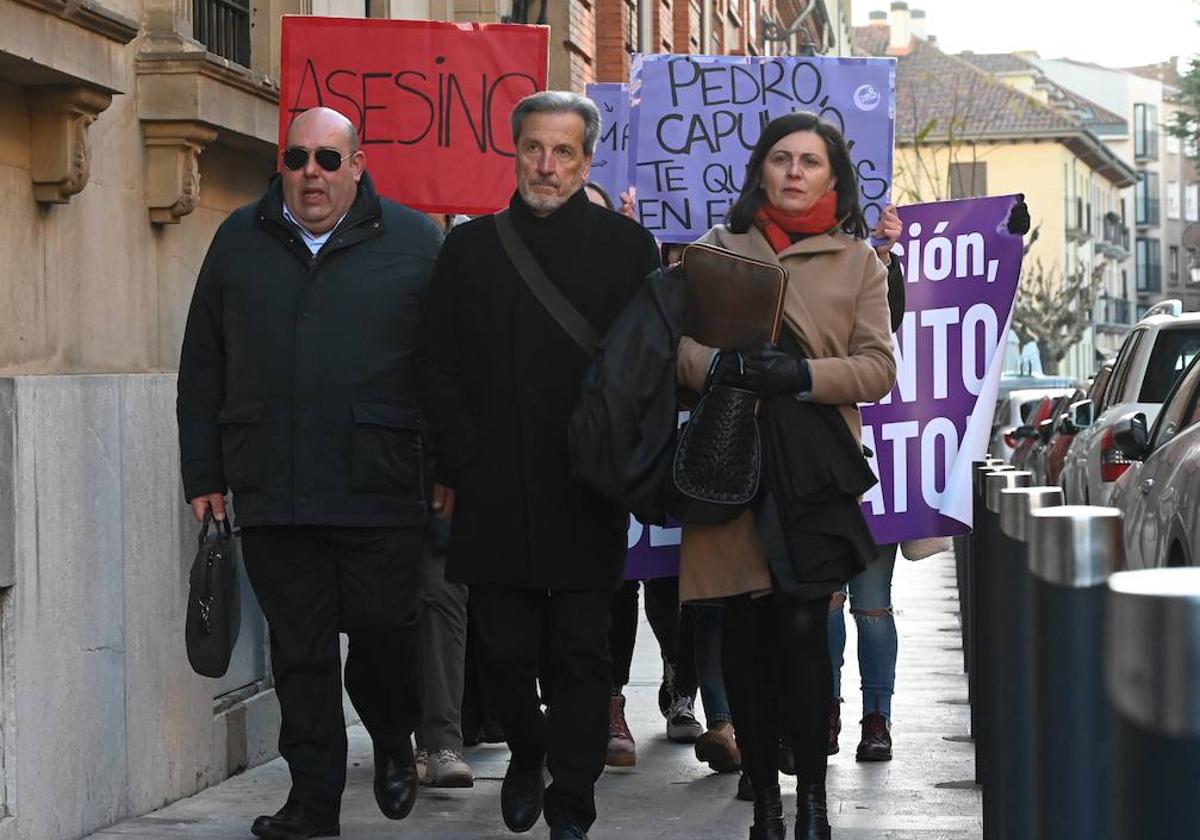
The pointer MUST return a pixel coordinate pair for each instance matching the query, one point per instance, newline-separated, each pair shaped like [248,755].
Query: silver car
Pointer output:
[1152,358]
[1160,492]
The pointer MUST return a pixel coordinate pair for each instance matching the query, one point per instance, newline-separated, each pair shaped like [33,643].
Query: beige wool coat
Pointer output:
[836,305]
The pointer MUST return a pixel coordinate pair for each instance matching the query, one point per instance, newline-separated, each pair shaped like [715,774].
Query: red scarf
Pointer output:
[776,224]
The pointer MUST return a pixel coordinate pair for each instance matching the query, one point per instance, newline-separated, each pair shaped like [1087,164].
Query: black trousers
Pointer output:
[673,626]
[312,583]
[775,649]
[573,732]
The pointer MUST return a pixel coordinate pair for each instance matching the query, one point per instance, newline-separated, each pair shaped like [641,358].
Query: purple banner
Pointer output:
[961,267]
[695,119]
[653,551]
[610,162]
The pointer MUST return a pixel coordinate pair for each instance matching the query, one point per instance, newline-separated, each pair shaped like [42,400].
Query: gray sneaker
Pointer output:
[682,726]
[448,769]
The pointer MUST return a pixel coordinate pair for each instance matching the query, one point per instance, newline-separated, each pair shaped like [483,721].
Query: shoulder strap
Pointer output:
[548,295]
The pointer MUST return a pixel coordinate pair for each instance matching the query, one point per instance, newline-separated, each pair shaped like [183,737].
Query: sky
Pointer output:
[1108,32]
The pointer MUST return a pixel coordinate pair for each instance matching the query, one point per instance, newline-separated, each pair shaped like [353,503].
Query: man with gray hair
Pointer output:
[517,300]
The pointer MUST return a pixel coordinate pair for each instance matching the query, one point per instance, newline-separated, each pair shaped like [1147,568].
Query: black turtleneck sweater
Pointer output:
[500,380]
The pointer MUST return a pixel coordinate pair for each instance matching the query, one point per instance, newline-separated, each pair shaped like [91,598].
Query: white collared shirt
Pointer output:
[314,241]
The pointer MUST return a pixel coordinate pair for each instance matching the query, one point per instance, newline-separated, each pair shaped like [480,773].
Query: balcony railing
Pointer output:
[1113,312]
[1115,234]
[223,26]
[1078,219]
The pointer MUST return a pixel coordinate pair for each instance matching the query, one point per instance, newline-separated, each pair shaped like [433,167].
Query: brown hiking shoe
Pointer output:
[622,751]
[876,743]
[718,749]
[835,724]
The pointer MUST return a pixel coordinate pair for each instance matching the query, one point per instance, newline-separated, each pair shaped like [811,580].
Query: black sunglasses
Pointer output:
[296,158]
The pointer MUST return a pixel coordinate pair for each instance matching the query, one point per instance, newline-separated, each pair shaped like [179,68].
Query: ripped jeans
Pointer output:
[870,596]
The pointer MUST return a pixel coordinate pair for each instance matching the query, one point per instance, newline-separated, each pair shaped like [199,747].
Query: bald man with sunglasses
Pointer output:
[297,393]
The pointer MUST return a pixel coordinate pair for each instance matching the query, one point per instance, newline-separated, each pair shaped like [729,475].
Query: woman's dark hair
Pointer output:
[599,190]
[849,213]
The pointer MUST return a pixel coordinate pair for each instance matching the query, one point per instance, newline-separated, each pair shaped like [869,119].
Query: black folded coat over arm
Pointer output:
[621,435]
[815,471]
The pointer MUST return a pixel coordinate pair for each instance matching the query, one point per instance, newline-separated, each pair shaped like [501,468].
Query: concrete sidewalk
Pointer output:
[923,794]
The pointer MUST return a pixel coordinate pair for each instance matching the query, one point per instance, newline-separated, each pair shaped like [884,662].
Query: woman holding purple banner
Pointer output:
[776,566]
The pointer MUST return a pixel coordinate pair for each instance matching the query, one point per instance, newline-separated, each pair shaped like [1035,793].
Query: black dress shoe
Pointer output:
[396,784]
[812,816]
[567,831]
[294,822]
[521,794]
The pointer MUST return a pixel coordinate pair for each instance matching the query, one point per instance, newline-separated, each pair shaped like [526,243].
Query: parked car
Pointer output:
[1047,431]
[1149,363]
[1065,432]
[1160,491]
[1013,410]
[1029,436]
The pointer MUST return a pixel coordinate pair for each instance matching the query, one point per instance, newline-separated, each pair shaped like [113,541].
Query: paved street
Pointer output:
[921,795]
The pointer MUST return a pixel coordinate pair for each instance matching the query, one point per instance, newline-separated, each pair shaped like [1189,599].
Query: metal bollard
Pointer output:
[1072,551]
[1152,675]
[976,551]
[1010,801]
[986,605]
[962,551]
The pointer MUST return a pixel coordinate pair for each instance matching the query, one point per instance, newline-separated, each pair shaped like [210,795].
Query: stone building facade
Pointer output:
[129,130]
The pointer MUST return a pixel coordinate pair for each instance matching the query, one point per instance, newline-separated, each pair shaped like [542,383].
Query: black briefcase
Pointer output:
[214,610]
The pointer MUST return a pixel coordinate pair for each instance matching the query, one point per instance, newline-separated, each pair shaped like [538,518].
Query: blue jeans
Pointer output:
[871,605]
[708,664]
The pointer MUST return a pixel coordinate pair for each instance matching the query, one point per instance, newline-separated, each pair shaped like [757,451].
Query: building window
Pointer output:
[1145,200]
[1173,265]
[1172,199]
[1191,212]
[1173,145]
[1149,265]
[968,180]
[223,26]
[1145,131]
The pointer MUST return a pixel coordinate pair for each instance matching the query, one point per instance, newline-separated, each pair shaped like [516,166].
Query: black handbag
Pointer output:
[718,459]
[214,609]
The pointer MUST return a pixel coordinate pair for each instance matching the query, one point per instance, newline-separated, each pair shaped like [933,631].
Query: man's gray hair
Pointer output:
[559,102]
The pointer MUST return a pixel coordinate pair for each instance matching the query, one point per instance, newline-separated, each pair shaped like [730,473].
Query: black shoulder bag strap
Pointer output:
[548,295]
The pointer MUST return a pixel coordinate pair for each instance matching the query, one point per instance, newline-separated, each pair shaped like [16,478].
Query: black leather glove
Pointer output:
[1018,218]
[725,369]
[769,372]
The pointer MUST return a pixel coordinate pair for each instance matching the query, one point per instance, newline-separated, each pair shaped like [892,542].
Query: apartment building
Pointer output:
[969,125]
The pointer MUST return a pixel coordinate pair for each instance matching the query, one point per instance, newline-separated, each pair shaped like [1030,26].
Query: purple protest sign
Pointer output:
[695,119]
[961,267]
[653,551]
[610,166]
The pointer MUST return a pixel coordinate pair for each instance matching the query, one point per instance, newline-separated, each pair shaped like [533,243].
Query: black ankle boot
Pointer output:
[812,817]
[768,814]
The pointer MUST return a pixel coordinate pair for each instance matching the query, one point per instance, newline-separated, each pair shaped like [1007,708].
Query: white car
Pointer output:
[1010,422]
[1160,492]
[1152,358]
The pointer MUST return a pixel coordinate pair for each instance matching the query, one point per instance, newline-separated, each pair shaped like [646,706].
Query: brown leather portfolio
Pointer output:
[731,301]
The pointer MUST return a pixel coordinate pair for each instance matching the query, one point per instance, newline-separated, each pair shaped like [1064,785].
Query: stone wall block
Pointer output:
[68,621]
[169,704]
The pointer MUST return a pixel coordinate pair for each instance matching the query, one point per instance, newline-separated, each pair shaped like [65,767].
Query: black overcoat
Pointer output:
[297,383]
[501,380]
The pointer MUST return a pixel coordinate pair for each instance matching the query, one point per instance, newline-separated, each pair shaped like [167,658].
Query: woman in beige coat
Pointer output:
[799,207]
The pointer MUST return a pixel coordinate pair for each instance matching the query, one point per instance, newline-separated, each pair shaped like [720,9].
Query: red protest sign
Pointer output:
[431,100]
